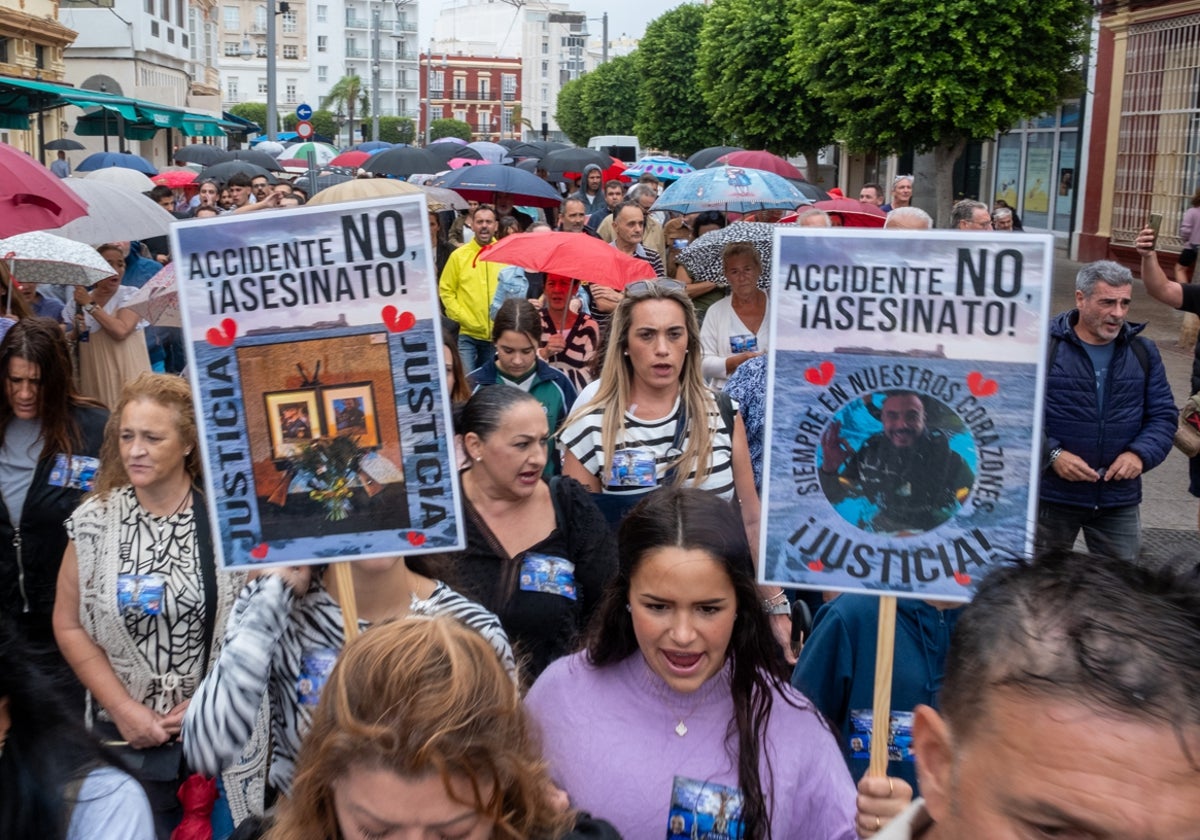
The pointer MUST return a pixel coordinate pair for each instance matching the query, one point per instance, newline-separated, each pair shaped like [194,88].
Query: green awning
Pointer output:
[21,97]
[99,122]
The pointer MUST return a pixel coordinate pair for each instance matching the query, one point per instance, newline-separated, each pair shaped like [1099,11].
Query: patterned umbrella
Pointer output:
[323,151]
[729,188]
[40,257]
[158,300]
[104,160]
[30,197]
[663,168]
[702,258]
[115,213]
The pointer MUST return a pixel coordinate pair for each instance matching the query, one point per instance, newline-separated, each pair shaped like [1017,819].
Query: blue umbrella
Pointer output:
[663,168]
[730,188]
[481,183]
[103,160]
[373,146]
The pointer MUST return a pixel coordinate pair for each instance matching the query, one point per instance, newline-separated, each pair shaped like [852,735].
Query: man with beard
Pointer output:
[908,471]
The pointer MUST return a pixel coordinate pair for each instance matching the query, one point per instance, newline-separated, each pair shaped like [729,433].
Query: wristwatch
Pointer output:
[89,308]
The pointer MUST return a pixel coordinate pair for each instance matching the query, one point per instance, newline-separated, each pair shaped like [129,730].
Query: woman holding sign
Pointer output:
[735,328]
[140,608]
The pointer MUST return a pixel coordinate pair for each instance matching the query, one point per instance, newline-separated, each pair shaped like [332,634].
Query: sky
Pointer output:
[627,17]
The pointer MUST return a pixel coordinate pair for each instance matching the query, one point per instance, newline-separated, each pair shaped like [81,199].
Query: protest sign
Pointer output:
[315,356]
[904,394]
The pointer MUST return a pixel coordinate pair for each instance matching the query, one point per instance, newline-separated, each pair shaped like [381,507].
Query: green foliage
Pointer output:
[289,122]
[449,128]
[256,112]
[349,95]
[748,80]
[568,112]
[396,129]
[609,96]
[323,123]
[671,111]
[906,75]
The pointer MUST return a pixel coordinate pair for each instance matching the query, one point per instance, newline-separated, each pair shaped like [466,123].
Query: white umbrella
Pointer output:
[158,300]
[120,175]
[115,214]
[271,147]
[40,257]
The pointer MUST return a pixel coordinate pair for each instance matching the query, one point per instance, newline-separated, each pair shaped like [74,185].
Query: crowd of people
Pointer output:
[599,661]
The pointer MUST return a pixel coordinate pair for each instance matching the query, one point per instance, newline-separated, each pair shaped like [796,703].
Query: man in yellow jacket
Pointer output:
[467,286]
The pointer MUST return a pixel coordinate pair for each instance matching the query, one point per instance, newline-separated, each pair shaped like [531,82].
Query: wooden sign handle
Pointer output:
[881,720]
[345,595]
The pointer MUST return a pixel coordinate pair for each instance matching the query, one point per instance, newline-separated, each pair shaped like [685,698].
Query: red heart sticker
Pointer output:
[416,538]
[816,565]
[980,385]
[962,578]
[397,321]
[224,336]
[259,551]
[822,374]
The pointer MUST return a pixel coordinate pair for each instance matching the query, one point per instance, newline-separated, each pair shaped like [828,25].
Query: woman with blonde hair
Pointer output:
[420,732]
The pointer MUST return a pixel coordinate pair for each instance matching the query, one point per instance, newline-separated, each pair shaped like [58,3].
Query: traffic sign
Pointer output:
[304,129]
[303,111]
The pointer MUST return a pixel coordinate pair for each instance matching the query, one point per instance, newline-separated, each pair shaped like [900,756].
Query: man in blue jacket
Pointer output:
[1109,417]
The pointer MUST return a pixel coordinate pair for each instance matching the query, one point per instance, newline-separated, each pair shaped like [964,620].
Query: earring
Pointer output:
[480,458]
[629,607]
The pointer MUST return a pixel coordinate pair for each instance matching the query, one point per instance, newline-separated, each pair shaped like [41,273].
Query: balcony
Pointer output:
[470,96]
[403,27]
[356,52]
[357,23]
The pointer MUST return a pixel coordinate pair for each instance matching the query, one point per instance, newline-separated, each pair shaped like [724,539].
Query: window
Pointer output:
[289,91]
[3,51]
[545,69]
[39,56]
[508,86]
[461,116]
[506,120]
[460,87]
[179,11]
[322,14]
[545,46]
[260,18]
[289,23]
[484,122]
[439,83]
[149,7]
[485,88]
[291,51]
[170,35]
[193,22]
[322,73]
[545,92]
[322,43]
[260,50]
[231,49]
[231,89]
[154,28]
[165,14]
[233,18]
[262,85]
[438,111]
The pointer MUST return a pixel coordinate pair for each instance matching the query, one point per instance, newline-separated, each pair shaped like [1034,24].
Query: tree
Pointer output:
[671,111]
[519,120]
[747,78]
[568,112]
[323,123]
[396,129]
[609,97]
[449,128]
[256,112]
[348,93]
[970,70]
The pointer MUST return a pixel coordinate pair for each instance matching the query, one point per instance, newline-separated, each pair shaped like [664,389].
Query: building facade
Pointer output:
[482,91]
[32,46]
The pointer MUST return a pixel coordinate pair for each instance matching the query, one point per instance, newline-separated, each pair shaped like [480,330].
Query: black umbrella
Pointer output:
[809,189]
[481,183]
[510,143]
[203,154]
[222,172]
[574,160]
[445,152]
[530,149]
[324,180]
[528,164]
[65,144]
[258,158]
[704,157]
[404,161]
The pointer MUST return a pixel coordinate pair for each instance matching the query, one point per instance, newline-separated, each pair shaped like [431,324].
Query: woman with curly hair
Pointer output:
[420,732]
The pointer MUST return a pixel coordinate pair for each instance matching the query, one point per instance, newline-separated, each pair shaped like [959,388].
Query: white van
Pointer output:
[624,147]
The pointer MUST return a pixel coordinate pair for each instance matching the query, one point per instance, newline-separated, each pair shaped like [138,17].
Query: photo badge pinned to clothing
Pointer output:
[315,667]
[75,471]
[747,343]
[633,468]
[549,574]
[140,594]
[705,810]
[899,738]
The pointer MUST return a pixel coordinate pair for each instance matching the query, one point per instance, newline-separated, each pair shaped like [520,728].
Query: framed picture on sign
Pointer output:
[294,420]
[350,410]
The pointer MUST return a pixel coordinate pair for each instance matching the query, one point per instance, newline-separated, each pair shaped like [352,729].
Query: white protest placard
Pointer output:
[315,356]
[904,407]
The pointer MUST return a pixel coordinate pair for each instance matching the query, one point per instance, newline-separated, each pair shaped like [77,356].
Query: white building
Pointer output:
[550,40]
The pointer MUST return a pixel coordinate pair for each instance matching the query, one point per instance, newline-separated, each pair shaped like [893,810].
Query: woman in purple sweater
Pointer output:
[678,718]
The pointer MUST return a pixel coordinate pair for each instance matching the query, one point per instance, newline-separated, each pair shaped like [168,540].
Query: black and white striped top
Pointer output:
[268,636]
[584,437]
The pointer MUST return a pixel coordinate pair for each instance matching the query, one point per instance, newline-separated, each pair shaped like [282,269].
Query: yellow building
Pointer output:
[31,47]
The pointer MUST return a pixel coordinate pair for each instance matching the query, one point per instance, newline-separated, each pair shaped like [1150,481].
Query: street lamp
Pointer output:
[339,119]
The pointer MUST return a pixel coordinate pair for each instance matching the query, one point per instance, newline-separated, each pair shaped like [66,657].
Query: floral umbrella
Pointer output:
[729,188]
[40,257]
[703,261]
[663,168]
[158,300]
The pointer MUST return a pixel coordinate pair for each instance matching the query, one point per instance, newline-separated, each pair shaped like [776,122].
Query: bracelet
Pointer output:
[772,605]
[1054,453]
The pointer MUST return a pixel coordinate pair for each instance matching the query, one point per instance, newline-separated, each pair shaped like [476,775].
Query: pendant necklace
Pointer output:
[160,526]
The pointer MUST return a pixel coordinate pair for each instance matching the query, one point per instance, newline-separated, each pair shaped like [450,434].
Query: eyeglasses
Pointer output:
[648,286]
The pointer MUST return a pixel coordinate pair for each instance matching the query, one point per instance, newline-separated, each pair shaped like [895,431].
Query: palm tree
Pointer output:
[348,92]
[518,120]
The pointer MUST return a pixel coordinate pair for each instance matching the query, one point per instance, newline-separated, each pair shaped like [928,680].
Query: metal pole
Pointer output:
[428,90]
[375,79]
[604,46]
[272,107]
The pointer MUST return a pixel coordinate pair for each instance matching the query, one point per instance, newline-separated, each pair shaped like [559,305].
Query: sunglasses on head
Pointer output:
[645,286]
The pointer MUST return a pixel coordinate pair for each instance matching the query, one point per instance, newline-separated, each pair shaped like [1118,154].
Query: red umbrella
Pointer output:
[615,171]
[351,160]
[853,213]
[175,178]
[574,255]
[764,161]
[31,198]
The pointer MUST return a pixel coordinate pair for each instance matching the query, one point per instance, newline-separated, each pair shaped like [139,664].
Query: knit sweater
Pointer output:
[617,753]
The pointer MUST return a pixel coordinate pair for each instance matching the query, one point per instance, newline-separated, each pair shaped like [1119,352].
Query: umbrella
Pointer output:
[358,189]
[351,159]
[30,197]
[119,175]
[447,198]
[528,164]
[372,146]
[458,141]
[175,178]
[203,154]
[323,151]
[491,152]
[403,161]
[324,181]
[530,149]
[810,190]
[443,152]
[105,160]
[615,171]
[459,163]
[115,213]
[40,257]
[158,300]
[706,157]
[65,144]
[574,255]
[271,147]
[481,183]
[729,188]
[853,213]
[266,161]
[222,172]
[702,258]
[763,161]
[574,160]
[663,168]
